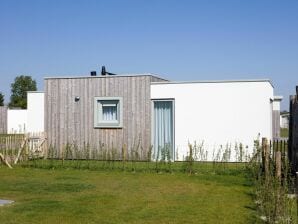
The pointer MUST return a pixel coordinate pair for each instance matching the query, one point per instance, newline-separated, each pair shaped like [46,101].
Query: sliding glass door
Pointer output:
[163,130]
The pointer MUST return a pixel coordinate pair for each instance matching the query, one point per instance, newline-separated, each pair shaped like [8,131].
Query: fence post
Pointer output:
[278,165]
[293,133]
[296,194]
[285,162]
[124,154]
[272,148]
[265,157]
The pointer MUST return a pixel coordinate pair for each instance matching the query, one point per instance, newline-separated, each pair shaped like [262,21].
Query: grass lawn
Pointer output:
[84,196]
[284,132]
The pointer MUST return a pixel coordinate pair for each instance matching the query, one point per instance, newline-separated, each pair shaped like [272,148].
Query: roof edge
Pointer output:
[35,91]
[107,76]
[216,81]
[278,98]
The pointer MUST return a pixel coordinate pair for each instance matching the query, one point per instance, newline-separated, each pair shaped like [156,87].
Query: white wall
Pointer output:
[218,113]
[284,121]
[35,118]
[276,102]
[30,120]
[16,121]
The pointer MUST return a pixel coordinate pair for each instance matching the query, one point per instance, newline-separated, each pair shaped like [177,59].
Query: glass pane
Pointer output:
[109,113]
[163,130]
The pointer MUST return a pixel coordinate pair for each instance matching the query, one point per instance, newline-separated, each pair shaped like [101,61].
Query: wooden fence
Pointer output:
[274,186]
[19,147]
[293,132]
[274,158]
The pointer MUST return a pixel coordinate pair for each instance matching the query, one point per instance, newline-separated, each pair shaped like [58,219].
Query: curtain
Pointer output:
[163,130]
[109,113]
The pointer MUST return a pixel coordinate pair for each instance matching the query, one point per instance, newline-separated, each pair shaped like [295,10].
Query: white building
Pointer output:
[284,119]
[16,121]
[219,116]
[35,112]
[29,120]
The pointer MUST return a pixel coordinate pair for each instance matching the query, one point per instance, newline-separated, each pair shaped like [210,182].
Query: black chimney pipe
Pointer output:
[93,73]
[104,72]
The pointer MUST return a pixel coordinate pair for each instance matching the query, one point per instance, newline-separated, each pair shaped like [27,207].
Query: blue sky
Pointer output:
[179,40]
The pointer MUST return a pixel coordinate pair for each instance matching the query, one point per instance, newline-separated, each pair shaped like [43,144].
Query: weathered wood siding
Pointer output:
[67,121]
[3,120]
[276,124]
[157,79]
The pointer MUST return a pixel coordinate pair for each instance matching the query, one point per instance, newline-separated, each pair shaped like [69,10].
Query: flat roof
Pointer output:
[106,76]
[215,81]
[284,113]
[278,98]
[35,91]
[166,81]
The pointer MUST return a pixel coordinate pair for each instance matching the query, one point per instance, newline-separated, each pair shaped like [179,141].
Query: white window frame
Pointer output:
[99,103]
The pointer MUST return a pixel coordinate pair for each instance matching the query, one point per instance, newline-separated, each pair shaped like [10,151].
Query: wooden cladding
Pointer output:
[69,111]
[276,124]
[3,120]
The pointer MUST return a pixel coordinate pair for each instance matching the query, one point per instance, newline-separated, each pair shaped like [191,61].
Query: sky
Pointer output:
[178,40]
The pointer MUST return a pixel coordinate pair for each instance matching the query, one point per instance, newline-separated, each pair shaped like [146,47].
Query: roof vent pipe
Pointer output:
[104,72]
[93,73]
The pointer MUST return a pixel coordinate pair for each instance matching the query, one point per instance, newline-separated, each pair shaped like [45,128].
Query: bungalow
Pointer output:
[284,119]
[20,121]
[149,112]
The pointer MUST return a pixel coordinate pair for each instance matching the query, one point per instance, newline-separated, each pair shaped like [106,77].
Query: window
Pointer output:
[163,129]
[108,112]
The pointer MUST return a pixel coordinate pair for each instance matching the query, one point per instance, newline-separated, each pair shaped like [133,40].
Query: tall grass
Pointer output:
[134,159]
[271,190]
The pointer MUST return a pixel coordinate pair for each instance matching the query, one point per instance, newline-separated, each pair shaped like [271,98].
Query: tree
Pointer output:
[1,99]
[19,89]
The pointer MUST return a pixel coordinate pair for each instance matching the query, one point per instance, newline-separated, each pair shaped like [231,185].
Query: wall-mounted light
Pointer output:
[77,99]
